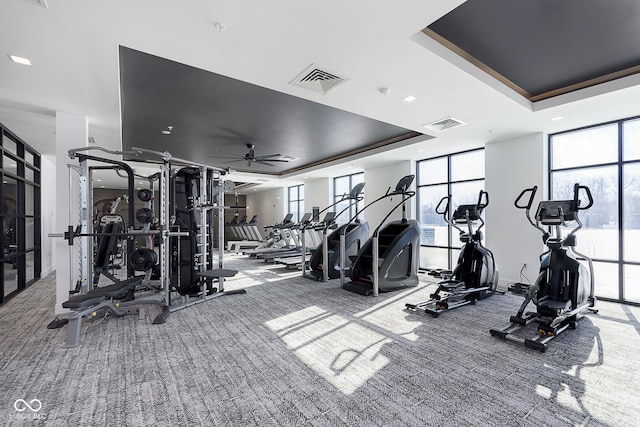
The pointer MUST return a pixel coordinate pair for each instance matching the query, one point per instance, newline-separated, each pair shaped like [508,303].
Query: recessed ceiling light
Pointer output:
[98,180]
[555,119]
[409,98]
[166,132]
[20,60]
[419,150]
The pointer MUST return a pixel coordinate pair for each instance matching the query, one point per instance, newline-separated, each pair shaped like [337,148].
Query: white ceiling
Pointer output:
[73,45]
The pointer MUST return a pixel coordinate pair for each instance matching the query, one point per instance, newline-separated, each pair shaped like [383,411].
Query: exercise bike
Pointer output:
[564,287]
[475,276]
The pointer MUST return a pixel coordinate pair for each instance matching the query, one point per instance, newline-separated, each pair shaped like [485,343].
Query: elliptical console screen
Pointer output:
[554,212]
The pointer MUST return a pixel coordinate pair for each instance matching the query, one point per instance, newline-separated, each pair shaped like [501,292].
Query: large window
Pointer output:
[606,158]
[460,175]
[341,186]
[296,201]
[19,215]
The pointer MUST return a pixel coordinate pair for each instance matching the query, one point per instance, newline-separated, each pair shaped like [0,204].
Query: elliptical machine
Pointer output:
[565,287]
[475,276]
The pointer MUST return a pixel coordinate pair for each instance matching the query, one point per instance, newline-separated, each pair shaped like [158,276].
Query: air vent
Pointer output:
[317,80]
[444,124]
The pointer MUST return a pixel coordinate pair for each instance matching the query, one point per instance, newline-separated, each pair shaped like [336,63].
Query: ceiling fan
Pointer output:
[251,157]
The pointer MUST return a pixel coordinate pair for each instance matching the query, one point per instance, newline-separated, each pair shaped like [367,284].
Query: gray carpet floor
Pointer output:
[297,352]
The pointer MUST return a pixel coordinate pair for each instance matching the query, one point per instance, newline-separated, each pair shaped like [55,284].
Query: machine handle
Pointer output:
[481,205]
[576,190]
[446,207]
[531,190]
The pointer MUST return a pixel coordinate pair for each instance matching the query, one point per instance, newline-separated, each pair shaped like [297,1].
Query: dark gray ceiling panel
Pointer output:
[213,117]
[545,45]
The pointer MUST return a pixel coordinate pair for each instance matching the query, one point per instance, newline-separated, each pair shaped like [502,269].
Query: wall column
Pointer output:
[511,166]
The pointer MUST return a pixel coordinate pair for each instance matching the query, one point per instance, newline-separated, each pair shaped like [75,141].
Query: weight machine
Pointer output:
[179,271]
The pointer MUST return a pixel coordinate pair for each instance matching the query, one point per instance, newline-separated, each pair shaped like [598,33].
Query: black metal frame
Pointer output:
[298,201]
[17,257]
[620,262]
[451,247]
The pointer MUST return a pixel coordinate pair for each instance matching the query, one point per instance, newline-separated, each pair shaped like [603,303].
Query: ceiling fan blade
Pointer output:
[233,161]
[262,162]
[269,155]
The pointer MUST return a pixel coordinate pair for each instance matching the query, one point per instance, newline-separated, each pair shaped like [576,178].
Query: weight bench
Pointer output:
[98,299]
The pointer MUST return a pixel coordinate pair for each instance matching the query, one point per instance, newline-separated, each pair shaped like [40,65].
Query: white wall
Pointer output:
[510,167]
[318,192]
[269,205]
[378,180]
[48,212]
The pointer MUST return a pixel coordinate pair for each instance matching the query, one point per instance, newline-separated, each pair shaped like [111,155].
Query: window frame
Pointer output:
[453,243]
[297,201]
[337,197]
[26,159]
[619,263]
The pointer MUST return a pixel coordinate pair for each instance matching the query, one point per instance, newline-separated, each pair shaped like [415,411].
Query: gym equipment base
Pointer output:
[546,329]
[458,298]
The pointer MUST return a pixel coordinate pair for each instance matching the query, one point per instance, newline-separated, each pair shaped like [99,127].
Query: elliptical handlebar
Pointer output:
[527,207]
[533,191]
[446,207]
[483,195]
[576,191]
[554,213]
[445,212]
